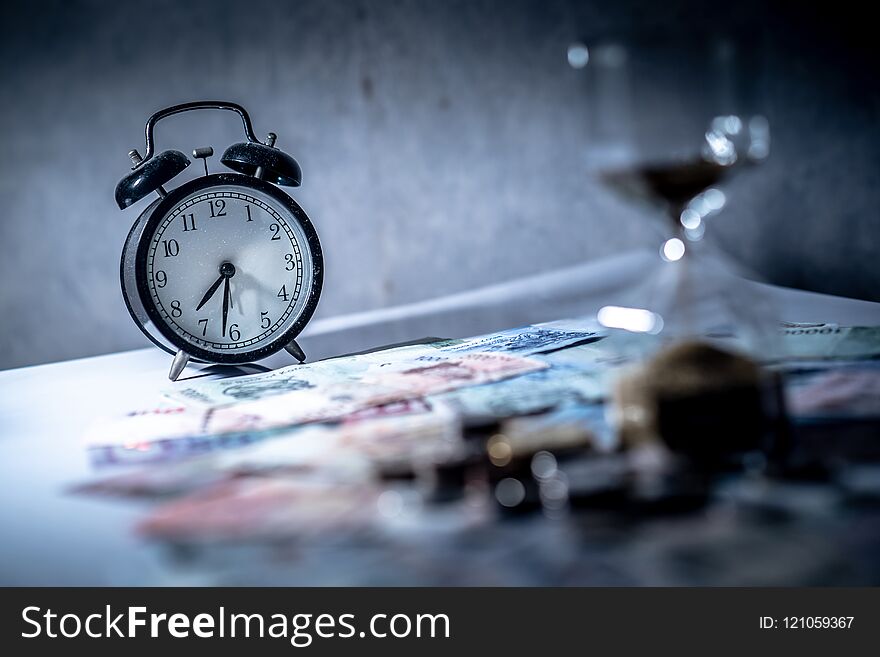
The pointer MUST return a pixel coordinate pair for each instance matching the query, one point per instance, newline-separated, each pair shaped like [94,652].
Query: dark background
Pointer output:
[442,144]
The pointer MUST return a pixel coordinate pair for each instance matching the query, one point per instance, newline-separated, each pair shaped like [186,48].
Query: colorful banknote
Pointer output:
[152,430]
[263,508]
[845,390]
[348,451]
[522,341]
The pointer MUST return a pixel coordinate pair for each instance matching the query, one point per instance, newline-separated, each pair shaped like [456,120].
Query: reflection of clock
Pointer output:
[226,268]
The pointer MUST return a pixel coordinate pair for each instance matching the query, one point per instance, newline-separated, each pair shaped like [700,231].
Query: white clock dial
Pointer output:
[230,251]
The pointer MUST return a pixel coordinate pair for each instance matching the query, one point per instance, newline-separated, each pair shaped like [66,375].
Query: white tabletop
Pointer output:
[50,537]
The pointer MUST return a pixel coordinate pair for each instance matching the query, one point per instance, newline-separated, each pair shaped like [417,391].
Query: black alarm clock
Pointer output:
[226,268]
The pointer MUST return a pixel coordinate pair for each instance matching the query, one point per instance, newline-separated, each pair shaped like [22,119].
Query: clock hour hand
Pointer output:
[227,270]
[211,291]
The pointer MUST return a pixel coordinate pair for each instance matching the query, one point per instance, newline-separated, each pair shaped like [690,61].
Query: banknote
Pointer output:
[579,374]
[617,348]
[169,430]
[108,446]
[830,341]
[529,340]
[468,369]
[430,434]
[306,451]
[158,481]
[115,449]
[264,508]
[558,385]
[141,437]
[301,453]
[797,342]
[522,341]
[850,390]
[346,452]
[162,432]
[136,432]
[412,406]
[292,378]
[377,387]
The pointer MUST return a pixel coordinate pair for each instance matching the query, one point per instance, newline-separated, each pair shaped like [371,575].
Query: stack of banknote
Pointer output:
[507,422]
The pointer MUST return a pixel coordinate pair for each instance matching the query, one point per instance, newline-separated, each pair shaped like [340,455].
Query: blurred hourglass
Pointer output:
[671,119]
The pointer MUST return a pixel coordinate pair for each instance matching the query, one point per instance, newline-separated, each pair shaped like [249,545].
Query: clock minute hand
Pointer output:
[210,292]
[225,303]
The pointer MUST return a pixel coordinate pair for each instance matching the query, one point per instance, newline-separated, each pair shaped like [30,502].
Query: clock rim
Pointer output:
[157,211]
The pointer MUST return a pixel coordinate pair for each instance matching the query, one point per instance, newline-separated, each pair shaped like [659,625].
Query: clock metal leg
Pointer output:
[181,358]
[295,350]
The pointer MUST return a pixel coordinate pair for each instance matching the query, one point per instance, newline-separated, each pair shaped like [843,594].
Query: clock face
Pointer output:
[229,270]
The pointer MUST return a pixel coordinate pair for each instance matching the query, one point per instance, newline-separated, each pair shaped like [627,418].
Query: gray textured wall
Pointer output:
[442,144]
